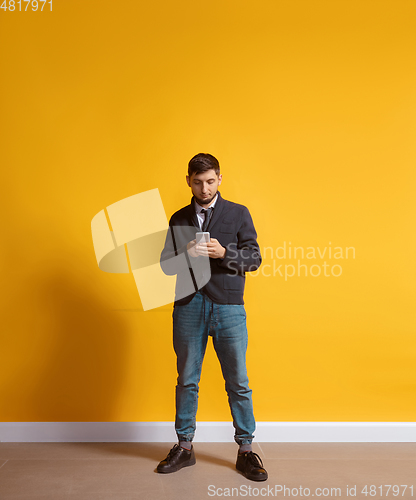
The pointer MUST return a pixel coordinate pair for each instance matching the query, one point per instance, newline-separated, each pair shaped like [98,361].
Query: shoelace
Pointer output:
[255,461]
[172,452]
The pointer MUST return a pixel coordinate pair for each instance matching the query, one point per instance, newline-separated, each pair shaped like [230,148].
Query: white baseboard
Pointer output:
[283,432]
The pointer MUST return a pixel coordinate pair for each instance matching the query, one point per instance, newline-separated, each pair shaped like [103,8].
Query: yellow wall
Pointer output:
[310,108]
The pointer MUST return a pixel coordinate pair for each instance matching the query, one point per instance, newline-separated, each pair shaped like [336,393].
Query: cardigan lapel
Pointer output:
[218,209]
[193,219]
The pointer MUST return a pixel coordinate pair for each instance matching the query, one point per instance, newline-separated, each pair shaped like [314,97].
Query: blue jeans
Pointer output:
[226,323]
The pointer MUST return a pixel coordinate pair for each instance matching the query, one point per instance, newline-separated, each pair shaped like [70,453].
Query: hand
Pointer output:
[191,248]
[213,249]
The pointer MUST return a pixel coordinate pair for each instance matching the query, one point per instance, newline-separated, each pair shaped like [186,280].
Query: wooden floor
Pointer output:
[101,471]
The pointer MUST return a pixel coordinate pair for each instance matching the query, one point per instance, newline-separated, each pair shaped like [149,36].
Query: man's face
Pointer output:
[204,186]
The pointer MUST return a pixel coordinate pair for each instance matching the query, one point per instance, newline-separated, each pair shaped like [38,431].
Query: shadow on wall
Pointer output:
[68,352]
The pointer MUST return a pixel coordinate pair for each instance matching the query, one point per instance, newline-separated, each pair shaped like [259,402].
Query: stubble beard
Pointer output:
[205,202]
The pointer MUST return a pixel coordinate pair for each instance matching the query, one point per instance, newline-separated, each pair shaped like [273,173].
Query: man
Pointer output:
[216,309]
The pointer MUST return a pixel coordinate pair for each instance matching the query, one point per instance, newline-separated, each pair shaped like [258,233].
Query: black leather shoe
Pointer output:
[177,458]
[250,464]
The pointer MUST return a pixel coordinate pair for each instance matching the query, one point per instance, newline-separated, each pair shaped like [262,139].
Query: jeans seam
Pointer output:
[196,398]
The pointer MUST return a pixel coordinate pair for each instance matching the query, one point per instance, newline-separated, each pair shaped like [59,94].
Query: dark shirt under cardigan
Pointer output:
[231,224]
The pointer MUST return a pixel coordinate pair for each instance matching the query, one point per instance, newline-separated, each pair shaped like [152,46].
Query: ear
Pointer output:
[219,179]
[188,181]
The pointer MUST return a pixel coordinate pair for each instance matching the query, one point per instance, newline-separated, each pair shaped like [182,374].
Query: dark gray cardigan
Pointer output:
[231,224]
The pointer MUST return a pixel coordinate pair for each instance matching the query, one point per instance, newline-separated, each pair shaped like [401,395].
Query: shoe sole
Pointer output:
[186,464]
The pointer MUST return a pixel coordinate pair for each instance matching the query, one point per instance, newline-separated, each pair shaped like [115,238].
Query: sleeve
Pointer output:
[243,256]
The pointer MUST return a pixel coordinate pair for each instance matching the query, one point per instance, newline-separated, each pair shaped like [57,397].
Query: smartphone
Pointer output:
[202,237]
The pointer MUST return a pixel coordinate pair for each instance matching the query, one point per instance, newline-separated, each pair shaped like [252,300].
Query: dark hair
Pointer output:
[203,162]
